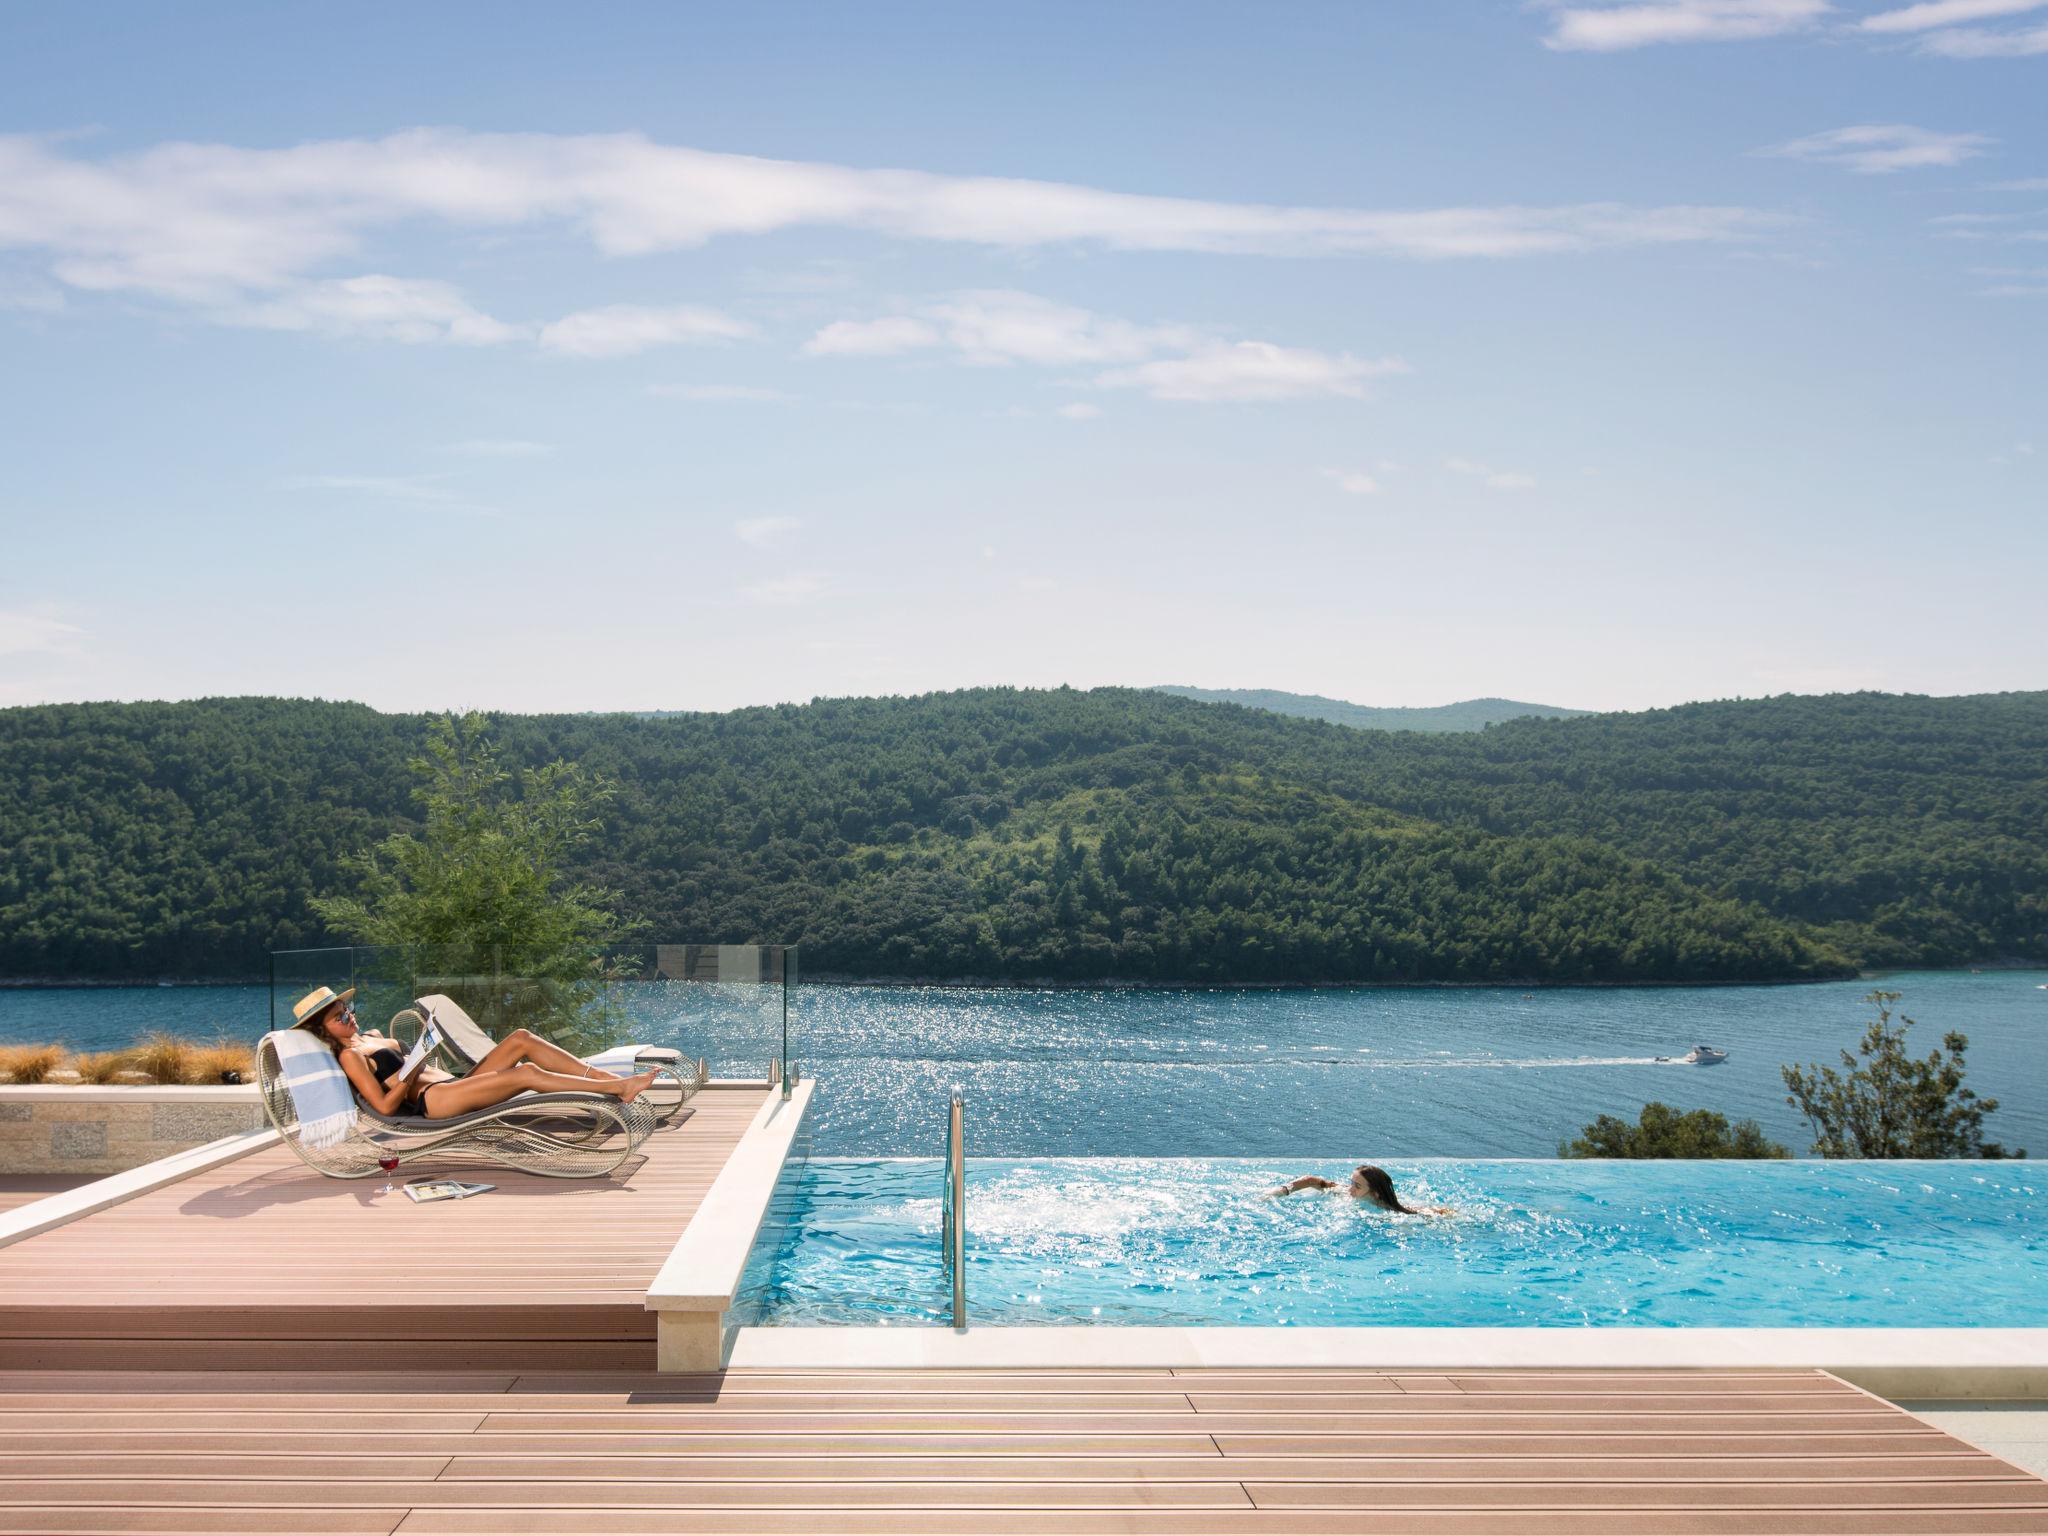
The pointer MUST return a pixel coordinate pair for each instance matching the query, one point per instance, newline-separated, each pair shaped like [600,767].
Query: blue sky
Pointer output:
[524,357]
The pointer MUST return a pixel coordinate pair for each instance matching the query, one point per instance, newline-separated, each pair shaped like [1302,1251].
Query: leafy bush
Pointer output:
[1889,1105]
[1666,1132]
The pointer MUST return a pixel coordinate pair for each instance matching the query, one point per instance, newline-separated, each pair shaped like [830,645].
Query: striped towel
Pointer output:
[322,1100]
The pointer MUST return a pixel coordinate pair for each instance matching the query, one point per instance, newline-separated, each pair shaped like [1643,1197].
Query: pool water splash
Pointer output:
[1192,1241]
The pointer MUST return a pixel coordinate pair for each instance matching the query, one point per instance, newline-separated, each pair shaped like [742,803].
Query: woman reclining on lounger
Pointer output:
[521,1061]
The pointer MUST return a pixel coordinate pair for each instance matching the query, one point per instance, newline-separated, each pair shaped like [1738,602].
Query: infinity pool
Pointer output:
[1193,1242]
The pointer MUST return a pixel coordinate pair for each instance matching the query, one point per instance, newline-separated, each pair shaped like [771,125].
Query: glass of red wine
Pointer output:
[390,1166]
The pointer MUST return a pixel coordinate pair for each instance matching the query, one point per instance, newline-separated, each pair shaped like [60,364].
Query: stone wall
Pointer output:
[52,1129]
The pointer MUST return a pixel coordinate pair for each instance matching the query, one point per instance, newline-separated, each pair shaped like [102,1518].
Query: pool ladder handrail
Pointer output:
[953,1210]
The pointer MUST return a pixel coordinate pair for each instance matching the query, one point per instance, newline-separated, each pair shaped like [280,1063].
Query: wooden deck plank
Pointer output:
[332,1493]
[1259,1522]
[868,1454]
[256,1441]
[112,1468]
[854,1419]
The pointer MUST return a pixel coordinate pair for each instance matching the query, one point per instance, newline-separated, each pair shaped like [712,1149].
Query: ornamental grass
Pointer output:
[29,1063]
[164,1058]
[100,1067]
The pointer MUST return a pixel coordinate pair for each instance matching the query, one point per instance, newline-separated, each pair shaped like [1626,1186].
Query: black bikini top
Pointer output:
[385,1060]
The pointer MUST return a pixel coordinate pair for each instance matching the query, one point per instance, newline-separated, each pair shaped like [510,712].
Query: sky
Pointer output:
[529,357]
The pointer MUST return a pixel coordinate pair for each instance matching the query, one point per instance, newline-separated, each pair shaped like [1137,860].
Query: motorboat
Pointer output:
[1703,1056]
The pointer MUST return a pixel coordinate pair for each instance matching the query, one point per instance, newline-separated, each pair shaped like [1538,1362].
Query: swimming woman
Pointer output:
[521,1061]
[1367,1183]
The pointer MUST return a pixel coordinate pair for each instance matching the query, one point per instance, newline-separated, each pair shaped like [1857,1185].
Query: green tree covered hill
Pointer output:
[1465,715]
[1115,833]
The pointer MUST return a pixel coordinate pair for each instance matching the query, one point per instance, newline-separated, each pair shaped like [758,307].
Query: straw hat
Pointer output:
[317,1002]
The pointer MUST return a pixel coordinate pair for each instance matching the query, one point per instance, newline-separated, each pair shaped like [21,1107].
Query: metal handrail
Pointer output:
[953,1213]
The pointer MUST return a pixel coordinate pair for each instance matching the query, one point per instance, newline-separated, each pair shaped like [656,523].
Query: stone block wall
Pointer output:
[47,1129]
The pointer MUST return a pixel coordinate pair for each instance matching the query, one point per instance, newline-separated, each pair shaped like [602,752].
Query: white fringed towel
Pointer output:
[322,1101]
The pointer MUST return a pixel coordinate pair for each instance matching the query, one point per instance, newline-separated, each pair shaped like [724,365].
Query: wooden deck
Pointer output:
[256,1348]
[263,1263]
[1073,1453]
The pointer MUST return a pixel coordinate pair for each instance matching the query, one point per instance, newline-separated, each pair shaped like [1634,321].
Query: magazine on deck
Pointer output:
[425,1191]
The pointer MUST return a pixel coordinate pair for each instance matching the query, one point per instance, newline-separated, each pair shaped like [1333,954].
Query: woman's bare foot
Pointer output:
[630,1088]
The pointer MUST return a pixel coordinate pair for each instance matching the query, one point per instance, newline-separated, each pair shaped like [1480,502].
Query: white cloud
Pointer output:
[785,591]
[1004,326]
[1976,43]
[1945,13]
[24,634]
[1611,28]
[712,392]
[499,448]
[1352,482]
[1251,370]
[377,307]
[871,338]
[1167,361]
[764,532]
[619,330]
[1492,479]
[1079,410]
[214,225]
[1875,149]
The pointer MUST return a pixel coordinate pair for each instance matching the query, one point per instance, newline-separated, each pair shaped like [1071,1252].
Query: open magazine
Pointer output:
[430,1037]
[425,1191]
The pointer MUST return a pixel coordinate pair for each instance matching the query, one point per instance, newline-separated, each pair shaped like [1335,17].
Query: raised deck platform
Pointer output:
[262,1263]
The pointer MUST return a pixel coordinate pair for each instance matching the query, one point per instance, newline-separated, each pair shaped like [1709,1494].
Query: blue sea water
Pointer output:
[1198,1242]
[1357,1074]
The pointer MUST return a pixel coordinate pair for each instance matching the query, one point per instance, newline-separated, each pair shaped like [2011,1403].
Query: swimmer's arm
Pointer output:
[1306,1181]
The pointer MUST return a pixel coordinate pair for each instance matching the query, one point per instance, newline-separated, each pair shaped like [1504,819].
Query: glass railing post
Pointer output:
[956,1208]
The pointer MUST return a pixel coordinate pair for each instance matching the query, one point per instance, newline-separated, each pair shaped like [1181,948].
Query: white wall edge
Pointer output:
[1938,1362]
[703,1270]
[25,1221]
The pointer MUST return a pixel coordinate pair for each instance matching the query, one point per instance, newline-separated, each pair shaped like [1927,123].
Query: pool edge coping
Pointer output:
[1919,1362]
[695,1286]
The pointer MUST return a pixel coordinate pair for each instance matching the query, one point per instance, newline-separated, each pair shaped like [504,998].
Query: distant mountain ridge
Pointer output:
[1468,715]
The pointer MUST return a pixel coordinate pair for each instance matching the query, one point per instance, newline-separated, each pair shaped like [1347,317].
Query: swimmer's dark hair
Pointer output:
[1381,1189]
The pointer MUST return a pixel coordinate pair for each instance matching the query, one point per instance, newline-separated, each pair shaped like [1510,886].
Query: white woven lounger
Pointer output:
[557,1135]
[468,1042]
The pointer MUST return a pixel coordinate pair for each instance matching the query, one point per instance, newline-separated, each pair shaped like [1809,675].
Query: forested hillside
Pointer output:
[1117,833]
[1465,715]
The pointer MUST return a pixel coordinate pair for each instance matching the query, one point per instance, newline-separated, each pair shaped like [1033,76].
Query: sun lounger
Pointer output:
[330,1130]
[468,1043]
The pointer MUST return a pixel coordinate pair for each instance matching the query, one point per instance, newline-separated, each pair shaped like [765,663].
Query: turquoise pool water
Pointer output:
[1194,1242]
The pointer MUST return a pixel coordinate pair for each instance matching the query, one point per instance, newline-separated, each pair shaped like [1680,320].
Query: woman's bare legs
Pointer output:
[525,1045]
[481,1089]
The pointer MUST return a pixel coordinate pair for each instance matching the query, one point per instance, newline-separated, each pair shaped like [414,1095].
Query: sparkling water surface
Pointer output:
[1199,1242]
[1359,1074]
